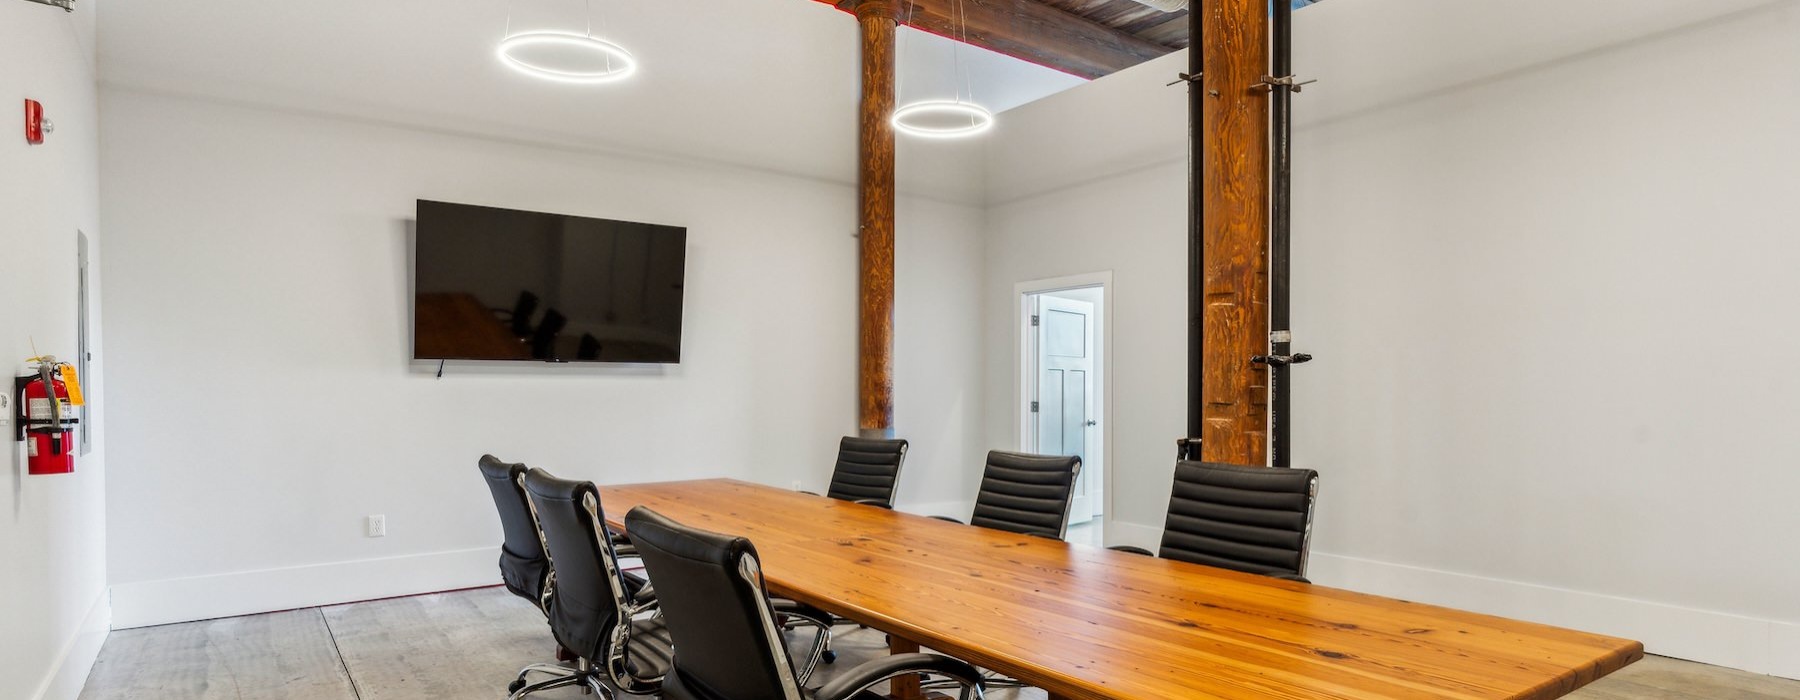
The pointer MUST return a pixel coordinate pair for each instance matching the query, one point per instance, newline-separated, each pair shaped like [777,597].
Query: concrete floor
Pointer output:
[468,644]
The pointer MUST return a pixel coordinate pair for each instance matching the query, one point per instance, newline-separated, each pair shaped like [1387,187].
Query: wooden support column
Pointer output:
[1235,195]
[875,376]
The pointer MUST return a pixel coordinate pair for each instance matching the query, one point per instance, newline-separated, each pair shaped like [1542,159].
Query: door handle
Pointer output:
[1092,424]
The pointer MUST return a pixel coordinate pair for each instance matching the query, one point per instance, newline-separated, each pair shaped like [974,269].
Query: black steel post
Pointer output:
[1281,94]
[1196,422]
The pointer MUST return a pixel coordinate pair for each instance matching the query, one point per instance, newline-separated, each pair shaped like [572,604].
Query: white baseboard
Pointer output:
[145,603]
[1784,650]
[1747,643]
[1119,532]
[951,509]
[69,672]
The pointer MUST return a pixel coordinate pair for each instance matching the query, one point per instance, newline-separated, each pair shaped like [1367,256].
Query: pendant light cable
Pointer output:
[907,118]
[618,62]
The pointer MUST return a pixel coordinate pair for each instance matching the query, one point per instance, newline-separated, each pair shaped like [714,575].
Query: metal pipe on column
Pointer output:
[1189,447]
[1280,360]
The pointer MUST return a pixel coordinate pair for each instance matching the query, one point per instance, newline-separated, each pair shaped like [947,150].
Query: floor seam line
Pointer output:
[354,690]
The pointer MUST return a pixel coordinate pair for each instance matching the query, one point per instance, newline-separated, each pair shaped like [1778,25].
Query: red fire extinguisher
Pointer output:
[47,416]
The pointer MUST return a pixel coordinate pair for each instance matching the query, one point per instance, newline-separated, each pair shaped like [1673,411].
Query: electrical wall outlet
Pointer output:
[377,526]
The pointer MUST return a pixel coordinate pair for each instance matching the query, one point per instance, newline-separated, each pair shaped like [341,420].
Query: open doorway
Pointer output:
[1062,387]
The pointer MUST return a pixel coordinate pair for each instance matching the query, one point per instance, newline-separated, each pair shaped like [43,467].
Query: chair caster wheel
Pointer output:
[514,686]
[828,656]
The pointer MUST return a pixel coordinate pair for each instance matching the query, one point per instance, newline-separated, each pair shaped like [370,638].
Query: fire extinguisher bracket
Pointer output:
[23,423]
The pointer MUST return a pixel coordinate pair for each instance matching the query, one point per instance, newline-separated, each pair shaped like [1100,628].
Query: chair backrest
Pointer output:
[1252,519]
[590,595]
[523,565]
[1025,493]
[867,470]
[710,589]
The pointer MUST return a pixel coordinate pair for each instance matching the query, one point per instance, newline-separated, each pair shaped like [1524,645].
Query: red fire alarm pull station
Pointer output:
[34,122]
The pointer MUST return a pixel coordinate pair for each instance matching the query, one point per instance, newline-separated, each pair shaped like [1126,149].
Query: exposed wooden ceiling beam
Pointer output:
[1030,31]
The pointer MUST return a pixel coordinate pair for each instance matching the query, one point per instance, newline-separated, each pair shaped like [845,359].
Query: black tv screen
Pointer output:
[502,284]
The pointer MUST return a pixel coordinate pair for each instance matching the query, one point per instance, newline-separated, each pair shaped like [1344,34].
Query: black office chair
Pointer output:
[543,340]
[1252,519]
[523,565]
[728,643]
[868,471]
[1026,493]
[613,635]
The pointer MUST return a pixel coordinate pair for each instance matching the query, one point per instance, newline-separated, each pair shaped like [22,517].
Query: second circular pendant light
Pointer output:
[958,117]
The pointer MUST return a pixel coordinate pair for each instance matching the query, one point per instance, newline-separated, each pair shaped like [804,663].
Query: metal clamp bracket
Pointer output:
[1185,78]
[1282,360]
[1271,83]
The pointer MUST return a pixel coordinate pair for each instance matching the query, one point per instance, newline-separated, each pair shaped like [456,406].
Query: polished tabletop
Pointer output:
[1086,622]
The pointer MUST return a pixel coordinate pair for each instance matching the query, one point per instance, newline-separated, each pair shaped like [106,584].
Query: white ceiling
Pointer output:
[770,84]
[1366,54]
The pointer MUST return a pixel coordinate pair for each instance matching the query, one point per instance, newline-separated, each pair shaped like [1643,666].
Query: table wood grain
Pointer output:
[1086,622]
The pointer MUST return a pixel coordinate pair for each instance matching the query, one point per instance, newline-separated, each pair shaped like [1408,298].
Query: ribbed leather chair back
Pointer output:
[522,562]
[867,470]
[1252,519]
[1025,493]
[590,594]
[711,592]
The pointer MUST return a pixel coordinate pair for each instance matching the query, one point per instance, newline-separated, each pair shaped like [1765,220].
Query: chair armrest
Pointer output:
[858,679]
[1131,550]
[947,519]
[1291,577]
[878,503]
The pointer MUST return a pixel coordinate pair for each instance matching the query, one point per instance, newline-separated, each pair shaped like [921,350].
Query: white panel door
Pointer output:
[1065,388]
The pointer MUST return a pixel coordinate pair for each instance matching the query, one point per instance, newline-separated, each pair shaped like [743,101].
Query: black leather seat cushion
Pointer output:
[650,650]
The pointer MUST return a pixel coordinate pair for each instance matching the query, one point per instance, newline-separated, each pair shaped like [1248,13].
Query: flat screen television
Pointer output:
[502,284]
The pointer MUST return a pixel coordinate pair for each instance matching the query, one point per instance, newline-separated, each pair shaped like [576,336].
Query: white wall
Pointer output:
[258,309]
[53,613]
[1545,290]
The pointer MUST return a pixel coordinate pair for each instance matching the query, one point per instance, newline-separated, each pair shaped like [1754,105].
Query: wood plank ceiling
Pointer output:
[1088,38]
[1169,29]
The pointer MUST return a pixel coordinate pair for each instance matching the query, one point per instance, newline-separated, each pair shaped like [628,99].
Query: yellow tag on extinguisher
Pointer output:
[73,385]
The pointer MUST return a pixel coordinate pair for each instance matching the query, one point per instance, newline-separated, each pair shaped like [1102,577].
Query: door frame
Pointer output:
[1022,369]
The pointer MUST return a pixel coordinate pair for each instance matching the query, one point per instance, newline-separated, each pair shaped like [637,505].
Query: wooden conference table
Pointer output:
[1085,622]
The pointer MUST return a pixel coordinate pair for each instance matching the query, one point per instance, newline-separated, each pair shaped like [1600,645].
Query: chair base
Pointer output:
[560,677]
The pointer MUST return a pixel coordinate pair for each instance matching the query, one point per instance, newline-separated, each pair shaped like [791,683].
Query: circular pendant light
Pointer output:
[942,119]
[612,61]
[946,119]
[566,57]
